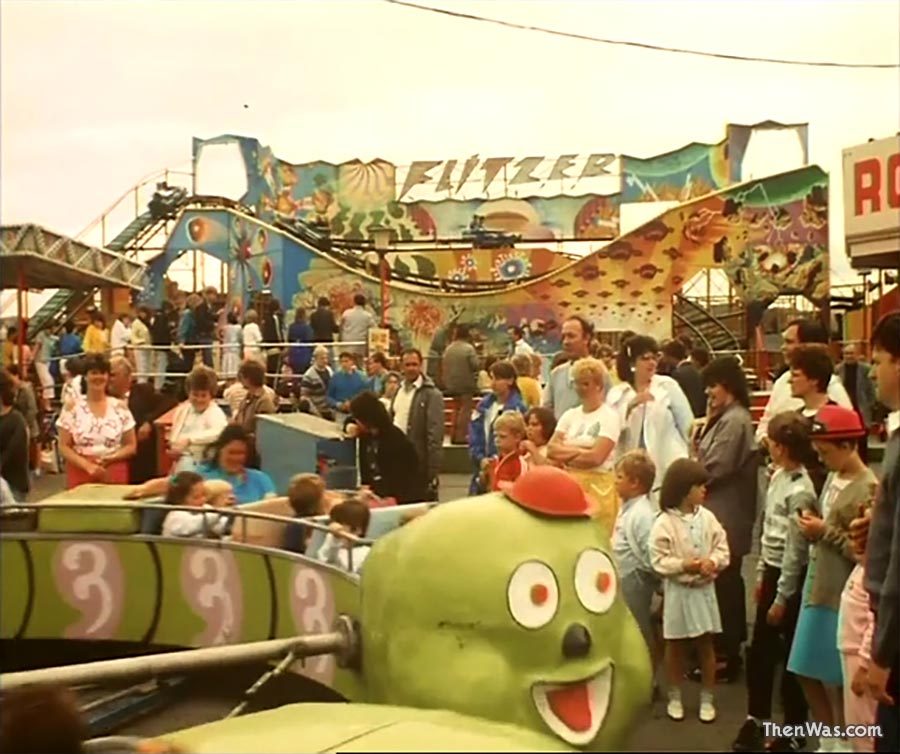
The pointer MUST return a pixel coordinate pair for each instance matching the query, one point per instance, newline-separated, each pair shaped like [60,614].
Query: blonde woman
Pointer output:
[529,387]
[586,436]
[252,337]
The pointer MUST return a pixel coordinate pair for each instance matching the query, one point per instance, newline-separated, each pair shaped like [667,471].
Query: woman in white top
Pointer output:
[96,432]
[231,347]
[197,422]
[655,414]
[140,340]
[252,337]
[586,437]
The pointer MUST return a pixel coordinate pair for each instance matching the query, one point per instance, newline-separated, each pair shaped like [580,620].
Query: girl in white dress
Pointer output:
[688,548]
[231,347]
[253,337]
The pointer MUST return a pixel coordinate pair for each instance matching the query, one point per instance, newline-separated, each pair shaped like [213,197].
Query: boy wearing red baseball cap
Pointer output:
[850,485]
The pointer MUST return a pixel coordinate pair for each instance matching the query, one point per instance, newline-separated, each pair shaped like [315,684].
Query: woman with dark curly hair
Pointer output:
[727,450]
[226,459]
[388,461]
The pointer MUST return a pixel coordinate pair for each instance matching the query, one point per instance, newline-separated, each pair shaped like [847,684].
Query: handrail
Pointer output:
[140,184]
[722,326]
[696,330]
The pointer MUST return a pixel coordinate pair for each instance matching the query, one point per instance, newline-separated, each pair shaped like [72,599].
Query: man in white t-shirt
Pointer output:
[520,345]
[798,332]
[119,336]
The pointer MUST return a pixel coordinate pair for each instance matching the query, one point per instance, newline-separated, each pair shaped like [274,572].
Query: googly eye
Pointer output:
[533,594]
[595,581]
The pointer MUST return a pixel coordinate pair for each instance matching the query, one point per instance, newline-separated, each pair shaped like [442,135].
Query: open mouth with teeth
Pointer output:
[575,711]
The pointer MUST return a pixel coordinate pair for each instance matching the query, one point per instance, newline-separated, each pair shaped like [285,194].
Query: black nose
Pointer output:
[576,642]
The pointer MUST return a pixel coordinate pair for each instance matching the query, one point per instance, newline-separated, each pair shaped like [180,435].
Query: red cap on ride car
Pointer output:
[836,423]
[551,492]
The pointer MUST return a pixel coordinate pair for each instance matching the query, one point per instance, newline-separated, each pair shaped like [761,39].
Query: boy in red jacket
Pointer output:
[509,464]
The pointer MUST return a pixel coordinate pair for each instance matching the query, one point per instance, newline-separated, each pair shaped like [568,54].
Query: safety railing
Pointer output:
[133,193]
[233,512]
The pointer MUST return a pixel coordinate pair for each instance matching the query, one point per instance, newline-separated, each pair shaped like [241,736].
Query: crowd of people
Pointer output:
[660,437]
[666,438]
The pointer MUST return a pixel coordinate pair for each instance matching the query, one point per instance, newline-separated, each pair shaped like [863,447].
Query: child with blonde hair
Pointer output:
[635,472]
[509,463]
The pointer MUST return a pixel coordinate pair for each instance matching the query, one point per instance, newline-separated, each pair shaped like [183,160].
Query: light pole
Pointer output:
[381,239]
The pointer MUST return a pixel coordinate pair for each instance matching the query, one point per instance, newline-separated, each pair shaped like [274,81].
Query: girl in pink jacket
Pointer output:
[688,548]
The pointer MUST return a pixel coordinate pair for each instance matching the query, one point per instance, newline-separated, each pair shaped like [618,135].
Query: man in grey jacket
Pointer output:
[854,374]
[418,409]
[460,375]
[882,575]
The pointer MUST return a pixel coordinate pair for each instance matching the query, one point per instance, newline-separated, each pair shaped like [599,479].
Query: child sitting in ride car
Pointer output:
[349,522]
[209,496]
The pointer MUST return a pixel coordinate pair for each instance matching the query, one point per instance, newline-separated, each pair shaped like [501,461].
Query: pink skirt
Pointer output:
[116,473]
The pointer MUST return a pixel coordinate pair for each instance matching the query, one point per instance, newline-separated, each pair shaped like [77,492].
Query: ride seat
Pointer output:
[95,509]
[382,521]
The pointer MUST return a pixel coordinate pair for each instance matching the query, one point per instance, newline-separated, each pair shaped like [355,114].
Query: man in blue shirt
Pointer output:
[575,339]
[345,384]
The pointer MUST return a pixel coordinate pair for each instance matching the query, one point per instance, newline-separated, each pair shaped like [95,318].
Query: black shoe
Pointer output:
[725,673]
[786,743]
[750,737]
[730,672]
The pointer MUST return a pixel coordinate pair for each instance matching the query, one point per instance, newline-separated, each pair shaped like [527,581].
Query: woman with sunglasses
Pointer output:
[655,414]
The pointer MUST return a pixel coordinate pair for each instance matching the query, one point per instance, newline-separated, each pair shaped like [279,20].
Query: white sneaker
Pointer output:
[675,709]
[826,744]
[707,709]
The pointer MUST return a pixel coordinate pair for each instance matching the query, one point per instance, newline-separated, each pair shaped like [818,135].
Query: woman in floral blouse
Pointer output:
[96,431]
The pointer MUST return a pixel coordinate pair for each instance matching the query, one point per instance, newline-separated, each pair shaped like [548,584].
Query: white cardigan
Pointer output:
[671,544]
[205,430]
[666,422]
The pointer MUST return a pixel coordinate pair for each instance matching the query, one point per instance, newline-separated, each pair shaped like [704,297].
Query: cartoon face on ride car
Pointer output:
[509,611]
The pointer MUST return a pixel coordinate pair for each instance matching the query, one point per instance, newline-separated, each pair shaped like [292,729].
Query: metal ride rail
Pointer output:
[234,513]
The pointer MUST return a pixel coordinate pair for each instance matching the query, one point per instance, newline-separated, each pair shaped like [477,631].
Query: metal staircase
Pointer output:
[714,332]
[64,304]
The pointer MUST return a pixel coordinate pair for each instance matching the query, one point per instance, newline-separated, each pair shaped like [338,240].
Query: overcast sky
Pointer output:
[94,95]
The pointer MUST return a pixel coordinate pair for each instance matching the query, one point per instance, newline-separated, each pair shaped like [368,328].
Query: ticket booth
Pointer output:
[296,443]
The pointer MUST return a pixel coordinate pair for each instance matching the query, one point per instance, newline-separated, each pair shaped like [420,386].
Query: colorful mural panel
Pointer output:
[354,196]
[687,173]
[770,236]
